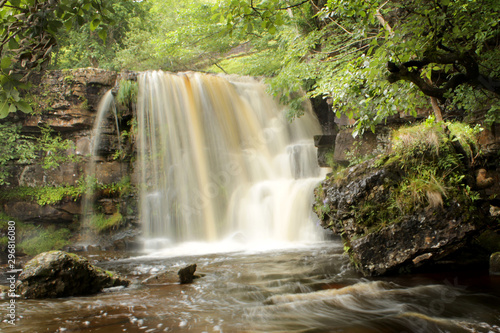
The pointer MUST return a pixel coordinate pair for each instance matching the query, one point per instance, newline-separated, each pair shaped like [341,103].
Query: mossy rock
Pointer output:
[60,274]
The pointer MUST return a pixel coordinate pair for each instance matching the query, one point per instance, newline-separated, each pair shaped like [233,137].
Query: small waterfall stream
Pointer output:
[106,105]
[217,159]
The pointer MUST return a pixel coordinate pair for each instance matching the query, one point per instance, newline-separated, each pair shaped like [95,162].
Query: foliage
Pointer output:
[32,239]
[467,136]
[39,239]
[28,35]
[48,195]
[100,223]
[181,38]
[15,148]
[432,166]
[83,46]
[127,93]
[54,149]
[374,59]
[43,195]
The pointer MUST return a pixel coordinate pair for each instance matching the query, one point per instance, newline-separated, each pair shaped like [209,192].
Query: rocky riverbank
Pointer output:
[422,203]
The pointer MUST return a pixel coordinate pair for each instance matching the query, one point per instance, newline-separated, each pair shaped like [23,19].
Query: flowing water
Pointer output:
[226,183]
[105,107]
[302,288]
[218,159]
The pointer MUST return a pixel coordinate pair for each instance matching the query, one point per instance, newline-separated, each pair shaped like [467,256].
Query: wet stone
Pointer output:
[186,274]
[60,274]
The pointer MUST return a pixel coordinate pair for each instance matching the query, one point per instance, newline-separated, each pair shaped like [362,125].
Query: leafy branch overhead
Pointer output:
[28,36]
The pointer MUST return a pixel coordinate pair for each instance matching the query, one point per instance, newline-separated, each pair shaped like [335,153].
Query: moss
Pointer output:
[42,195]
[39,240]
[101,223]
[428,174]
[489,240]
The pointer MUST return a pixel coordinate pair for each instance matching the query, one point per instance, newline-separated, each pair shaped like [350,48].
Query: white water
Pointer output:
[106,105]
[218,161]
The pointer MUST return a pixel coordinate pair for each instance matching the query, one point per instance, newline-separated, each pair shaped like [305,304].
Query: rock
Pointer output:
[61,274]
[161,278]
[32,212]
[353,205]
[495,263]
[186,274]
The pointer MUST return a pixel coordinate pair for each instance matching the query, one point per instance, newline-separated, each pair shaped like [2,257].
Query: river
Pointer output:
[290,288]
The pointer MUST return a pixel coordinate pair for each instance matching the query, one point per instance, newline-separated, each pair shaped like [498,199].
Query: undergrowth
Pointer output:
[100,223]
[32,239]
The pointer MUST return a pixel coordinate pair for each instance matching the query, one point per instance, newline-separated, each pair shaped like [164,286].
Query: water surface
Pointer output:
[295,288]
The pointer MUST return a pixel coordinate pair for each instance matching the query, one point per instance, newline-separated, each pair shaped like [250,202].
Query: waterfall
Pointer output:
[217,158]
[106,104]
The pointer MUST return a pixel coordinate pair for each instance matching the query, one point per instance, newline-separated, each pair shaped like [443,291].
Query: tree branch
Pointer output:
[410,71]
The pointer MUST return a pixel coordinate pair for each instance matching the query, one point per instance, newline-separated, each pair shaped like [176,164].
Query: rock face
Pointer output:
[66,101]
[61,274]
[392,219]
[422,237]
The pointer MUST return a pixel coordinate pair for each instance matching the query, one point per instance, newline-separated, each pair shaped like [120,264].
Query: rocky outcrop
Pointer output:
[66,102]
[392,219]
[61,274]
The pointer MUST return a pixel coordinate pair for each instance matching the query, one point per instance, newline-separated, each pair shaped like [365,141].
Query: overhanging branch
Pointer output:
[411,71]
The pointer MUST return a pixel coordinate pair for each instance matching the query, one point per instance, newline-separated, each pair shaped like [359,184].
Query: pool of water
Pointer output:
[295,288]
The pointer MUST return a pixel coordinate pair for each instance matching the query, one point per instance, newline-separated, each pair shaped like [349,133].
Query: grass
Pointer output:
[45,239]
[101,223]
[33,239]
[432,174]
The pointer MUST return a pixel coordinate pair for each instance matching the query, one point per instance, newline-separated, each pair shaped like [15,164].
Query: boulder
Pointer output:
[495,263]
[355,206]
[61,274]
[186,274]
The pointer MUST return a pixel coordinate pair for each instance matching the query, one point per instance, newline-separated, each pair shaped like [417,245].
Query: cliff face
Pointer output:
[47,188]
[414,206]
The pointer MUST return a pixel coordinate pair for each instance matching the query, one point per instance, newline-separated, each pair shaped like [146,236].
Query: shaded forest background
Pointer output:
[369,59]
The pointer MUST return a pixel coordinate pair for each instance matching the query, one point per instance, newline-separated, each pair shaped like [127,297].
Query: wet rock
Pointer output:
[61,274]
[354,205]
[161,278]
[36,175]
[495,263]
[32,212]
[186,274]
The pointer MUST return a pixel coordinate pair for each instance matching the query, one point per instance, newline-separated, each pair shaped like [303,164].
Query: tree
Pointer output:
[28,36]
[82,47]
[374,58]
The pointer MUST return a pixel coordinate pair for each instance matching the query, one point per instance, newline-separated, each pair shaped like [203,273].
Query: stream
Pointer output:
[293,287]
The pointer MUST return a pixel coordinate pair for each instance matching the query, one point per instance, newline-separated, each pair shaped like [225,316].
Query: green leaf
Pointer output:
[94,24]
[103,34]
[5,63]
[24,107]
[68,24]
[13,44]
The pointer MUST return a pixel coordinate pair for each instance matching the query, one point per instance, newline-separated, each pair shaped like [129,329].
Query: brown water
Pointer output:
[301,288]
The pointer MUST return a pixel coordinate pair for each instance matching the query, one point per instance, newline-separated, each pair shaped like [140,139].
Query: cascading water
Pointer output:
[218,158]
[106,105]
